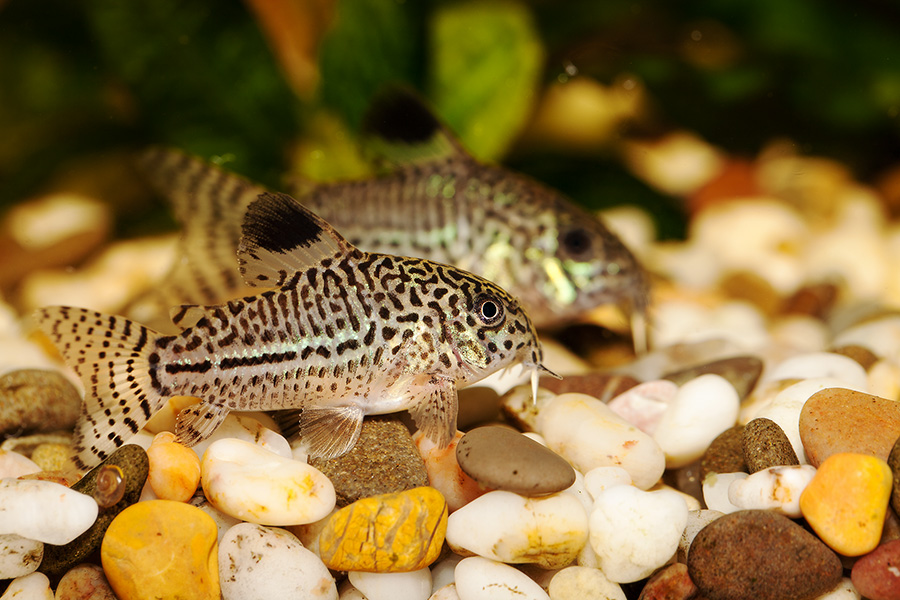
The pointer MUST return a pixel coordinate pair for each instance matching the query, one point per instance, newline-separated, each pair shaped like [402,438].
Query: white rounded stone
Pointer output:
[412,585]
[844,590]
[635,532]
[579,490]
[715,491]
[697,520]
[588,434]
[881,336]
[801,333]
[598,479]
[583,583]
[252,484]
[348,592]
[644,404]
[478,578]
[267,562]
[14,465]
[820,364]
[223,522]
[503,526]
[246,428]
[884,379]
[19,556]
[446,592]
[34,586]
[44,510]
[703,408]
[777,489]
[442,572]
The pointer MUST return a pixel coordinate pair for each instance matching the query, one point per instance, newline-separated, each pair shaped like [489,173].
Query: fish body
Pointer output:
[339,334]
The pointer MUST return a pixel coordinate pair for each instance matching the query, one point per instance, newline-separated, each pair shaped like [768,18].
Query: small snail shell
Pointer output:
[110,486]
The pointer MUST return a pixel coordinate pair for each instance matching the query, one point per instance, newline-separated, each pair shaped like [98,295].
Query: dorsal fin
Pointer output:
[282,237]
[398,128]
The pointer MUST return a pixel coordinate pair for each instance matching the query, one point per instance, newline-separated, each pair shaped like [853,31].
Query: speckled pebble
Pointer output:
[758,554]
[384,460]
[34,586]
[670,583]
[37,400]
[84,582]
[19,556]
[765,445]
[696,521]
[503,459]
[742,372]
[877,575]
[53,457]
[725,453]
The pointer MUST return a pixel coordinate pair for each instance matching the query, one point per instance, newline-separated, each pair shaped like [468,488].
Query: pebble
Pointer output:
[503,459]
[35,586]
[446,592]
[881,336]
[223,522]
[444,473]
[248,429]
[635,532]
[894,463]
[477,404]
[588,434]
[384,460]
[174,468]
[765,445]
[761,555]
[478,578]
[865,357]
[44,511]
[844,590]
[725,453]
[258,562]
[715,491]
[670,583]
[847,500]
[37,400]
[253,484]
[162,549]
[14,465]
[583,583]
[877,575]
[644,404]
[133,463]
[548,531]
[53,457]
[411,585]
[815,365]
[840,420]
[19,555]
[777,489]
[696,521]
[397,532]
[520,408]
[84,582]
[742,372]
[815,300]
[601,478]
[602,386]
[702,409]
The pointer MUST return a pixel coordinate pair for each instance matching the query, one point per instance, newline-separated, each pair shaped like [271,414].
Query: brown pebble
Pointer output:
[876,576]
[893,462]
[84,582]
[602,386]
[865,357]
[670,583]
[839,420]
[725,454]
[815,300]
[37,400]
[752,288]
[383,461]
[478,404]
[766,445]
[761,555]
[741,371]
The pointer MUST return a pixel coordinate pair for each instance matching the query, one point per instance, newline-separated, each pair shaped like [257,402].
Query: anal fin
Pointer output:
[435,414]
[330,431]
[196,423]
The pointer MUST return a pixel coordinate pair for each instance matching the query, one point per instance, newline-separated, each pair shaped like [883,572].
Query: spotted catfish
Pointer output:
[437,203]
[339,334]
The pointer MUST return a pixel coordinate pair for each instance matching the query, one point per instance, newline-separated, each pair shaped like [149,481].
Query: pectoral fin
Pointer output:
[330,431]
[196,423]
[435,415]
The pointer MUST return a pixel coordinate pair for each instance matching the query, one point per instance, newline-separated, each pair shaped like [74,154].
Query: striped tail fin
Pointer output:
[112,356]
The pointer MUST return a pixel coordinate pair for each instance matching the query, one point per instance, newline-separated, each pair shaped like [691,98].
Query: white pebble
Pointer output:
[447,592]
[644,404]
[844,590]
[583,583]
[44,510]
[588,434]
[715,491]
[412,585]
[635,532]
[503,526]
[697,520]
[820,364]
[348,592]
[223,522]
[881,336]
[579,490]
[19,556]
[287,569]
[442,572]
[482,579]
[801,333]
[703,408]
[246,428]
[14,465]
[598,479]
[884,379]
[35,586]
[777,489]
[253,484]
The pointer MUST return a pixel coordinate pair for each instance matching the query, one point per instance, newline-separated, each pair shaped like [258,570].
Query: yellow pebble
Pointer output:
[390,533]
[174,468]
[162,549]
[846,502]
[53,457]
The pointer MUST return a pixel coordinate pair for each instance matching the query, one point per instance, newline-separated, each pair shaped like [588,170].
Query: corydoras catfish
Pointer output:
[438,202]
[339,334]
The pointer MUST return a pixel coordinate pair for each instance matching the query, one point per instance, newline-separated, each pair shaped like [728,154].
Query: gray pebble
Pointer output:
[766,445]
[37,400]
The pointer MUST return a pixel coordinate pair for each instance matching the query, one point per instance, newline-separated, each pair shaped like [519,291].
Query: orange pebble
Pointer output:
[846,502]
[174,468]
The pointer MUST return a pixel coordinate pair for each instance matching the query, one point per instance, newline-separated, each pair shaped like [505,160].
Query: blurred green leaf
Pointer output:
[486,64]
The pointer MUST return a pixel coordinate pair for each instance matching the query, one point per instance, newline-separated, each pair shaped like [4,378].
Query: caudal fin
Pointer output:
[111,355]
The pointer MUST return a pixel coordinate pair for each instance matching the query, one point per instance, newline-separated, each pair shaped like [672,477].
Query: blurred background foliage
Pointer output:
[555,89]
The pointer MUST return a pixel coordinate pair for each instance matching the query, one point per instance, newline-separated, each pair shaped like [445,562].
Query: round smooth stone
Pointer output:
[442,572]
[248,429]
[881,336]
[697,520]
[601,478]
[253,484]
[396,532]
[670,583]
[877,574]
[37,400]
[702,409]
[815,365]
[758,554]
[19,556]
[84,582]
[35,586]
[865,357]
[644,404]
[588,434]
[847,500]
[548,531]
[841,420]
[446,592]
[162,549]
[583,583]
[724,454]
[44,511]
[503,459]
[478,578]
[174,468]
[742,372]
[765,445]
[777,489]
[635,532]
[715,491]
[223,522]
[411,585]
[13,465]
[258,562]
[444,473]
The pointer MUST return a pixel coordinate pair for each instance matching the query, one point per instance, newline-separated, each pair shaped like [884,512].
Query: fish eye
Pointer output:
[576,242]
[488,309]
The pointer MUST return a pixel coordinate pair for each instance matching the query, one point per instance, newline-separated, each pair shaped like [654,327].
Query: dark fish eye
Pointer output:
[488,309]
[576,242]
